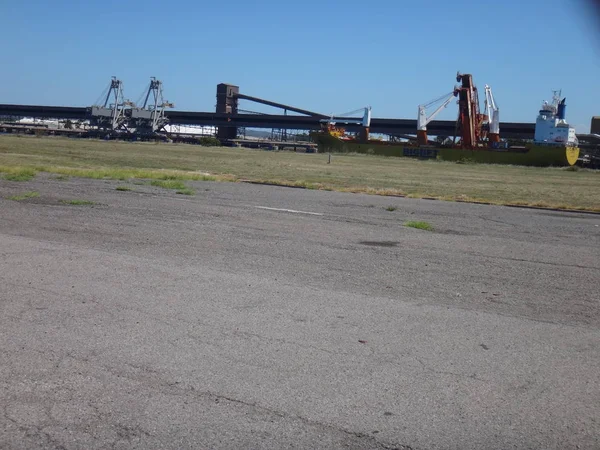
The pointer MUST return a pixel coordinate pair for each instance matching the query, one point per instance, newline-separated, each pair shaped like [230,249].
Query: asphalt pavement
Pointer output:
[262,317]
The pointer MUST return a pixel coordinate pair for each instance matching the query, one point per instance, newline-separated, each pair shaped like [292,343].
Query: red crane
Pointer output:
[470,121]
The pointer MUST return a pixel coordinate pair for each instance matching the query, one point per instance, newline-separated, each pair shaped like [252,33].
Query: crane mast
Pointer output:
[366,124]
[468,111]
[493,114]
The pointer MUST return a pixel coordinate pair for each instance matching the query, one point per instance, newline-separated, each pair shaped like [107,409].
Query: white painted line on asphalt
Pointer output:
[289,210]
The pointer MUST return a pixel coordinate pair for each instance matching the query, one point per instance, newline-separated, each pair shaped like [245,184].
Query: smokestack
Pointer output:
[562,109]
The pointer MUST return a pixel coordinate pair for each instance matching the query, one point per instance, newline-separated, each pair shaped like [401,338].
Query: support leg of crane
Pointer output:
[364,134]
[422,137]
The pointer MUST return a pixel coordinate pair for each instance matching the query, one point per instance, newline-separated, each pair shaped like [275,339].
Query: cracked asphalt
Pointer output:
[225,320]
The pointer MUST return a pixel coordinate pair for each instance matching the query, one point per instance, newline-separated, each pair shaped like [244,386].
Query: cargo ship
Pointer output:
[479,139]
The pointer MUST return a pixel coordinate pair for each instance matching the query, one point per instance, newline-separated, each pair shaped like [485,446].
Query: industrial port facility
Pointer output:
[114,114]
[154,117]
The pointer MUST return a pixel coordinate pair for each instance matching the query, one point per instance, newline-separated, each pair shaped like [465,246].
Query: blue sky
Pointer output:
[326,56]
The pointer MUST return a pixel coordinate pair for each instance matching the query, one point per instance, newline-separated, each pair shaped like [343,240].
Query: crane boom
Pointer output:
[423,120]
[365,121]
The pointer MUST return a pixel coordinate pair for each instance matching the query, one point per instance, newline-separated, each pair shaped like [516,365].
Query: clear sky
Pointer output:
[326,56]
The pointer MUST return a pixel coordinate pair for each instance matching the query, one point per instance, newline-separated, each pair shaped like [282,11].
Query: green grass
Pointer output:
[169,184]
[419,225]
[123,188]
[19,174]
[391,208]
[496,184]
[24,196]
[77,202]
[186,191]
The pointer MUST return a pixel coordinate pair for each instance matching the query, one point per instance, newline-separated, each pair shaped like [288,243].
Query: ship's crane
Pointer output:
[347,118]
[493,114]
[470,121]
[423,120]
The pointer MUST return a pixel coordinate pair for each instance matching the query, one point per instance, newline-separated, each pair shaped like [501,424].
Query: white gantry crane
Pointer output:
[423,120]
[493,113]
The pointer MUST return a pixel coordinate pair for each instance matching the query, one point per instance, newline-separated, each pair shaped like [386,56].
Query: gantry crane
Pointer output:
[150,117]
[111,115]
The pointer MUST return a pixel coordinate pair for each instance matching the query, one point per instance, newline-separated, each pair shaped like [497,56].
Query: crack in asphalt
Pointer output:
[152,380]
[472,376]
[533,261]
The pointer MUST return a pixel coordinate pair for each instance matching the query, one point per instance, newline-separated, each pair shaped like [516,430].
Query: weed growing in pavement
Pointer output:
[77,202]
[419,225]
[24,196]
[169,184]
